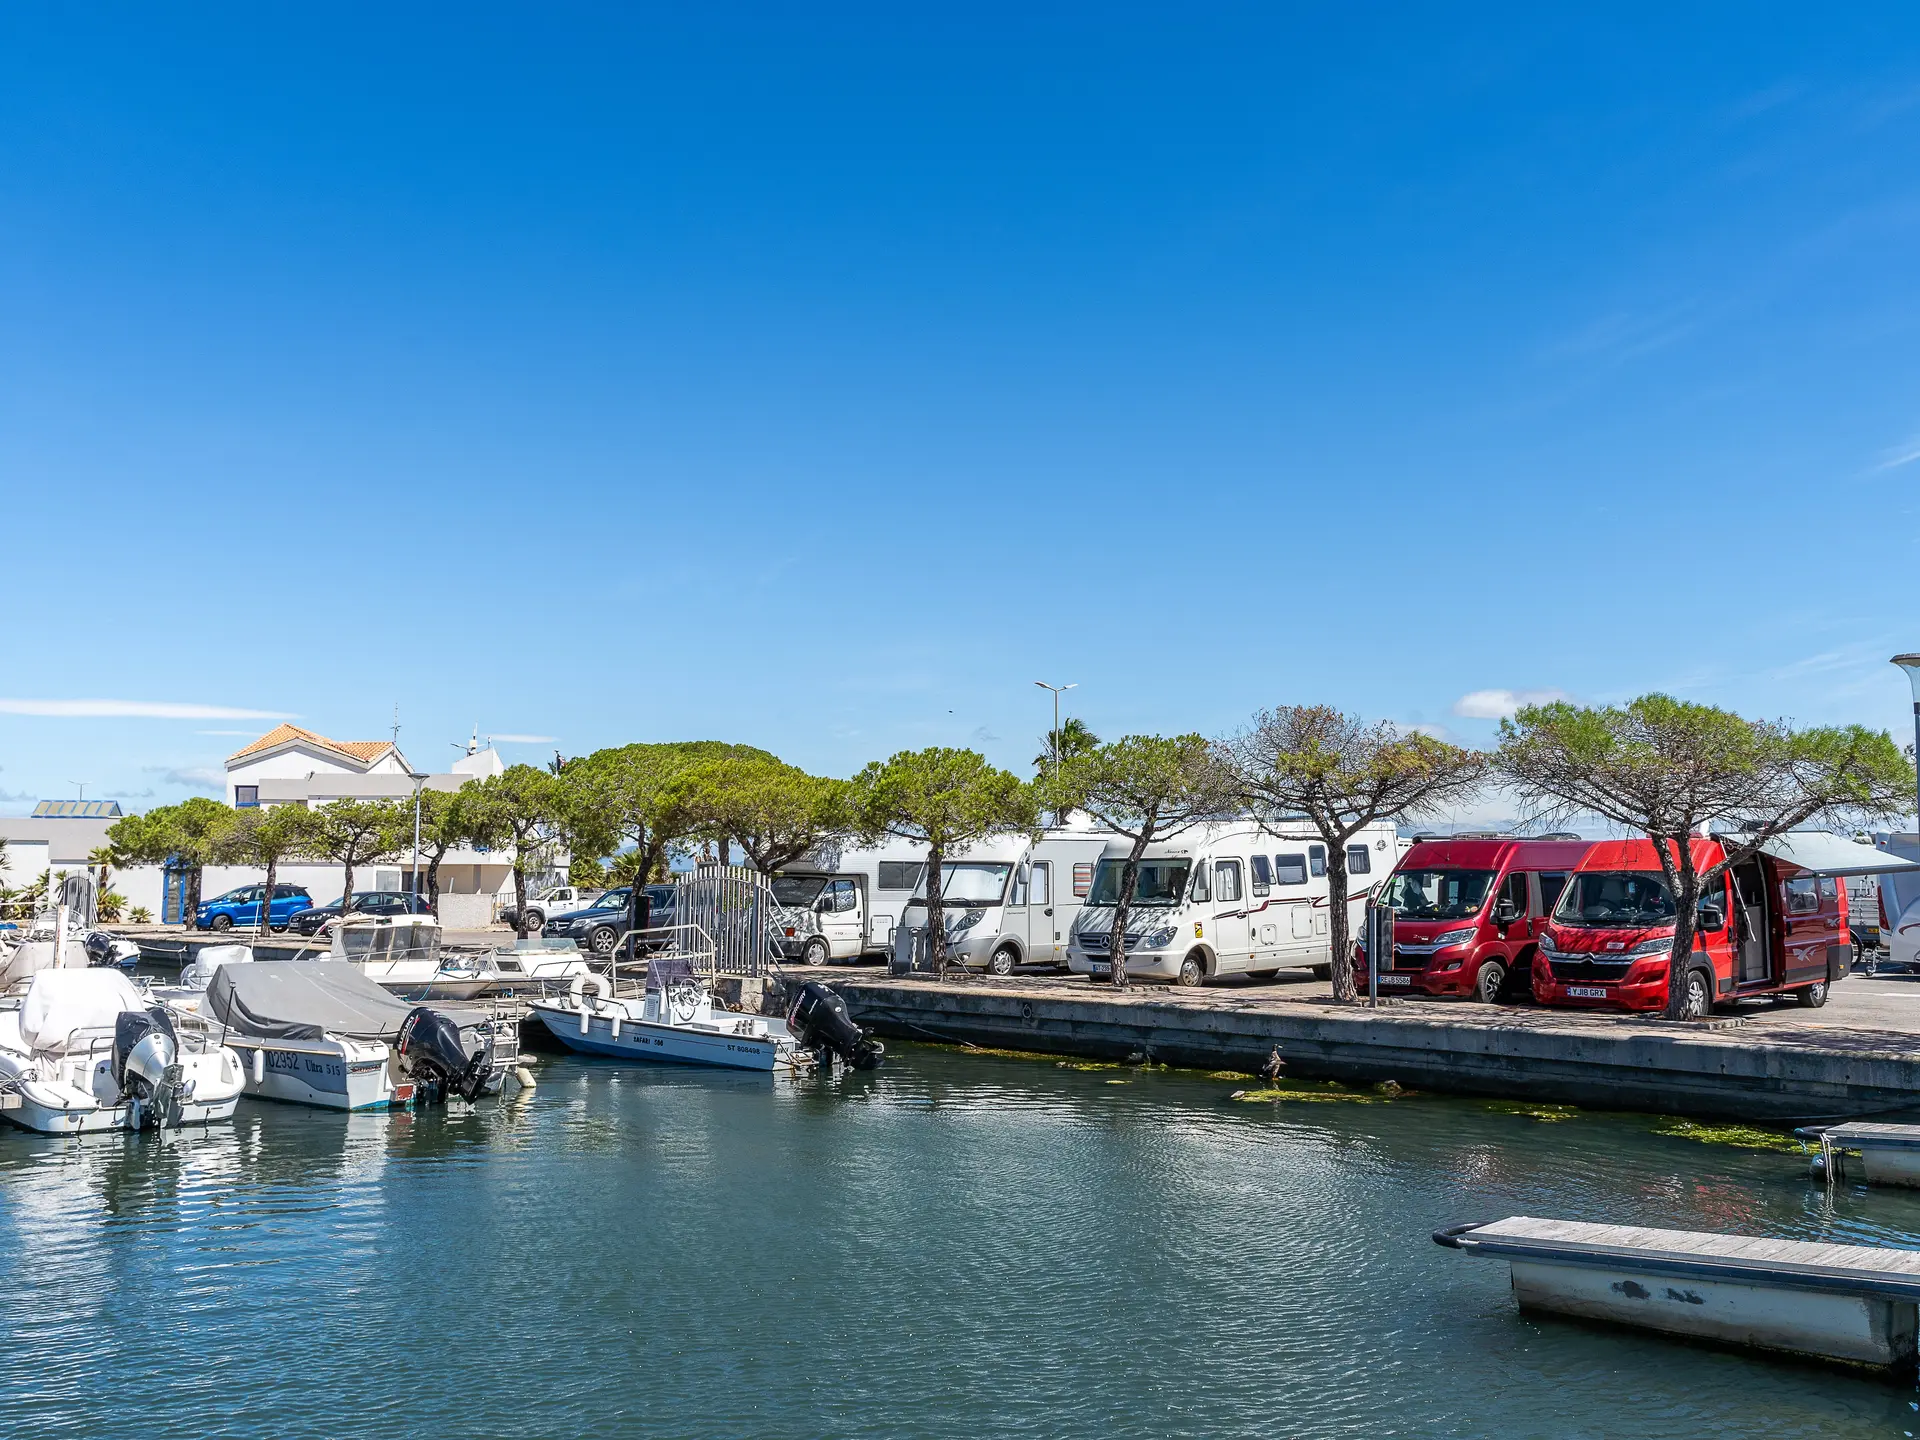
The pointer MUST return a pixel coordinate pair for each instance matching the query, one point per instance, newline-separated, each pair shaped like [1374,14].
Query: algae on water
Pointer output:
[1741,1137]
[1532,1110]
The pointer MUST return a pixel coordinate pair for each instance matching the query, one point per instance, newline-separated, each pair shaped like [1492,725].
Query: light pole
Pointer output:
[418,781]
[1053,736]
[1911,664]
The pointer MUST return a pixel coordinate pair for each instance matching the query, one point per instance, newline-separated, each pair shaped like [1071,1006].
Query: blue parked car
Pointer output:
[242,907]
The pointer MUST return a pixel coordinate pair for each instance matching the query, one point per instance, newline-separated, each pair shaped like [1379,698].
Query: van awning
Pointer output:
[1825,853]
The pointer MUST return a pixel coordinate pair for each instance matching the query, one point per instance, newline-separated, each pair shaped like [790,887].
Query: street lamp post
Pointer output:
[1911,664]
[1053,736]
[418,781]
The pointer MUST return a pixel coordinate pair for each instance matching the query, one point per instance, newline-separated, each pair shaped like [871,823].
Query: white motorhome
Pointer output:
[843,903]
[1010,900]
[1231,898]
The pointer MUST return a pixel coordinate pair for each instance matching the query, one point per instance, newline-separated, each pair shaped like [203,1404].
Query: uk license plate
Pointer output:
[1396,980]
[1587,992]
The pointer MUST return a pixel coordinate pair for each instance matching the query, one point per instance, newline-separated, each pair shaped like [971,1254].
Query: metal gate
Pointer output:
[731,910]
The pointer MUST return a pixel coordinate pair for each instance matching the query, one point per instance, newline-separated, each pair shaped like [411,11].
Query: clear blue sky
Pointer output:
[821,377]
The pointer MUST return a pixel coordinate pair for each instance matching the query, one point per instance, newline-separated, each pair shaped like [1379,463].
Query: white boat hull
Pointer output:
[638,1039]
[329,1074]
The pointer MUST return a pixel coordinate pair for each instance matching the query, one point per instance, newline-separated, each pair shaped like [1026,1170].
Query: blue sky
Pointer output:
[821,377]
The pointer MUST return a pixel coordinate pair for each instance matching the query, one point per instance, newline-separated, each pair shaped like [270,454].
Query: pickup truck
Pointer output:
[561,900]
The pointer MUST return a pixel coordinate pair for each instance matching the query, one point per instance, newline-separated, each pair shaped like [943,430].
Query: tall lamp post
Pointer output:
[1911,664]
[418,781]
[1053,736]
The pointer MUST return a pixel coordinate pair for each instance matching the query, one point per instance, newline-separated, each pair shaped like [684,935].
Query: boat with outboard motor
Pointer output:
[83,1050]
[401,953]
[321,1033]
[675,1019]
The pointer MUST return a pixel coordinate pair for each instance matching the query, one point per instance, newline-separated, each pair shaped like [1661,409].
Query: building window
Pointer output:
[245,797]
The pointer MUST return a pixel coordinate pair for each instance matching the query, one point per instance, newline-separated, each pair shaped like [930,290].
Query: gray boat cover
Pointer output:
[305,999]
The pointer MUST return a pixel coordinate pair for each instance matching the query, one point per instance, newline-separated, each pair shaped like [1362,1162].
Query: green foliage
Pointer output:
[267,836]
[141,915]
[586,873]
[1071,741]
[527,808]
[108,905]
[358,832]
[773,811]
[189,832]
[626,794]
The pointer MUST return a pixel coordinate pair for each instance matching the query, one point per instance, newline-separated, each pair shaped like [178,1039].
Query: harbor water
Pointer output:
[958,1245]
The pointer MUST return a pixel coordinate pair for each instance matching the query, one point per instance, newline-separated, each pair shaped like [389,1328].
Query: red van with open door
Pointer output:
[1770,925]
[1468,911]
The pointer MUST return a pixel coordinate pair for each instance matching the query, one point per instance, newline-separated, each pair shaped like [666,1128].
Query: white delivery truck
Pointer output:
[1008,901]
[1231,898]
[843,904]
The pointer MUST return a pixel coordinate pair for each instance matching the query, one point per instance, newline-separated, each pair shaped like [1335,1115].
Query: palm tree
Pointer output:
[1069,743]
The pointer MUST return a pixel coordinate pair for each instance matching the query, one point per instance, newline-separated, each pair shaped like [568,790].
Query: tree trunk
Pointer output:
[1340,960]
[519,893]
[433,884]
[1683,883]
[346,895]
[190,906]
[264,925]
[1123,907]
[936,913]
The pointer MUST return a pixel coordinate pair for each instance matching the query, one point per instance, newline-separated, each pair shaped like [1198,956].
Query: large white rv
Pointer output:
[1010,900]
[1232,898]
[843,904]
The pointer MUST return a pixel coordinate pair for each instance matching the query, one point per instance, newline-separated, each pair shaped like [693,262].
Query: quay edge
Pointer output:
[1600,1063]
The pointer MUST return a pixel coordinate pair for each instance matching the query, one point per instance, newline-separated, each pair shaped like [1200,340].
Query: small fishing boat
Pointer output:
[544,966]
[674,1019]
[83,1051]
[321,1033]
[401,953]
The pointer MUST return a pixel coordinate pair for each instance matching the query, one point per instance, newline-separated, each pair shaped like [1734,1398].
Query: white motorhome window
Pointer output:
[1226,881]
[1018,895]
[1290,869]
[1043,883]
[1359,860]
[899,874]
[1262,874]
[797,892]
[1159,882]
[970,883]
[1200,890]
[1317,859]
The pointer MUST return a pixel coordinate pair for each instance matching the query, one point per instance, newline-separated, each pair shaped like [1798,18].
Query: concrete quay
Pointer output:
[1770,1066]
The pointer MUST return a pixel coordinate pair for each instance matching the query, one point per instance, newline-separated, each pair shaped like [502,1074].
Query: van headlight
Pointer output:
[1547,947]
[1453,937]
[1661,946]
[1159,939]
[969,920]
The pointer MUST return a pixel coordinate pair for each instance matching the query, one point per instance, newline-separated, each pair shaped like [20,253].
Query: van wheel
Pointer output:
[1814,996]
[1491,983]
[536,922]
[601,941]
[220,922]
[1193,970]
[1003,960]
[1699,1002]
[1323,972]
[816,952]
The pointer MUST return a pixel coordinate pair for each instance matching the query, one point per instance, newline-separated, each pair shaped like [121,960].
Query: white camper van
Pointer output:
[1010,900]
[843,904]
[1232,898]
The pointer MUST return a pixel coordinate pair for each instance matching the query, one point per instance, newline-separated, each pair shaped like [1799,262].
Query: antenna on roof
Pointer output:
[396,724]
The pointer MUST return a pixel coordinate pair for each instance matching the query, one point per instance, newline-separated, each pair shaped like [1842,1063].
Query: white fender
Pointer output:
[259,1066]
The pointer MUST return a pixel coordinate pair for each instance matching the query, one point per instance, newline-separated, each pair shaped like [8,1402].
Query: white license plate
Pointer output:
[1586,992]
[1396,980]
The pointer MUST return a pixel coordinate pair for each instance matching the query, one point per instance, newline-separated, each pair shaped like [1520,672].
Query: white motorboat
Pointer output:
[321,1033]
[674,1020]
[545,966]
[401,953]
[84,1051]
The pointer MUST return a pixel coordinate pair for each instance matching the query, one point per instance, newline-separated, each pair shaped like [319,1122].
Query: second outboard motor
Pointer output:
[430,1044]
[146,1055]
[818,1019]
[105,949]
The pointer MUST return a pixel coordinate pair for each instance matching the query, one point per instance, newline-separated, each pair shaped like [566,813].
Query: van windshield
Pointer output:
[1437,894]
[967,884]
[1160,882]
[797,892]
[1614,899]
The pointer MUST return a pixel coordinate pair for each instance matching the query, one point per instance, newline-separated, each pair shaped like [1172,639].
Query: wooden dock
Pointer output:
[1853,1305]
[1889,1154]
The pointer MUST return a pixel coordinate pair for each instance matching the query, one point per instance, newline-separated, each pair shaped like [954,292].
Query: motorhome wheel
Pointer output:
[1193,970]
[1003,960]
[1323,972]
[816,952]
[1814,996]
[601,939]
[1490,983]
[1699,995]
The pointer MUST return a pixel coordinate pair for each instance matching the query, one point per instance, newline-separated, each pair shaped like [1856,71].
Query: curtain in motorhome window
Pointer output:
[1082,879]
[1359,860]
[1262,875]
[1290,869]
[1317,858]
[1226,881]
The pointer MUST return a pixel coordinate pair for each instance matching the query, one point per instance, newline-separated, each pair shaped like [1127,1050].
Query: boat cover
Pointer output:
[61,1004]
[197,974]
[306,999]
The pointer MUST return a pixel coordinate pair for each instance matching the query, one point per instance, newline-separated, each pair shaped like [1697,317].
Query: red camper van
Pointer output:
[1770,925]
[1468,911]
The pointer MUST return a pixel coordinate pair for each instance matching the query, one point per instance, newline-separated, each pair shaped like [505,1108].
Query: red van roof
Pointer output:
[1482,854]
[1638,855]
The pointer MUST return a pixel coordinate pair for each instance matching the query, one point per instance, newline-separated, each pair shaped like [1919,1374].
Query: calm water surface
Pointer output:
[959,1245]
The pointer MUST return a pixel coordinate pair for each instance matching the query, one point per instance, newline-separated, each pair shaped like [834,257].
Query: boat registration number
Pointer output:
[1396,979]
[1587,992]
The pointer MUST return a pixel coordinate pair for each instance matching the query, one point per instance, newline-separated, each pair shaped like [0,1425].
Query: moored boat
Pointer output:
[401,953]
[674,1019]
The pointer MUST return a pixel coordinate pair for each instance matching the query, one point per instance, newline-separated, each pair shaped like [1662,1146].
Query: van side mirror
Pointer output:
[1505,912]
[1712,919]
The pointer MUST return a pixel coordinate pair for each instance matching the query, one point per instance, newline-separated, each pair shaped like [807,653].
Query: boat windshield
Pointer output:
[1437,894]
[797,892]
[1160,882]
[1614,899]
[968,883]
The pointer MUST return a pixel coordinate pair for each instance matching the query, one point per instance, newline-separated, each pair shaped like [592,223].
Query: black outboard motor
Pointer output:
[105,949]
[430,1044]
[818,1020]
[146,1052]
